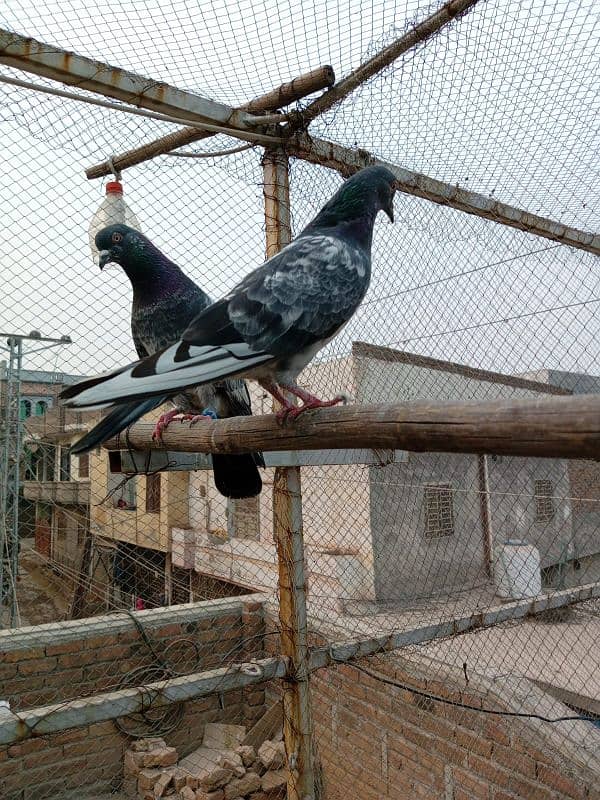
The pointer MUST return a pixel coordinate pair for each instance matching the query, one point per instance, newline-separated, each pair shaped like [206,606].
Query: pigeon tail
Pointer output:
[237,476]
[120,418]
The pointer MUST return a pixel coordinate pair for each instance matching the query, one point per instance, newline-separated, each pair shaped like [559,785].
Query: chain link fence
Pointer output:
[452,600]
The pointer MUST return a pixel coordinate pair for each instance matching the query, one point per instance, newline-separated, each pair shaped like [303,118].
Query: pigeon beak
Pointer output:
[103,258]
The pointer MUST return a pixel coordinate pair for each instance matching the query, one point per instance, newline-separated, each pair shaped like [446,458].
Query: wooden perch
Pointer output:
[556,427]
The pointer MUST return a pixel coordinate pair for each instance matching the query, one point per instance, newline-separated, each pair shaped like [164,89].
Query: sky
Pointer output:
[503,102]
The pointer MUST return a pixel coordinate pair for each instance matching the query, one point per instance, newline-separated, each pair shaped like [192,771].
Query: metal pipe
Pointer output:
[51,62]
[347,162]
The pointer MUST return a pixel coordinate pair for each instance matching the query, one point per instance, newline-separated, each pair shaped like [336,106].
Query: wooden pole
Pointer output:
[420,33]
[549,427]
[285,94]
[485,514]
[287,528]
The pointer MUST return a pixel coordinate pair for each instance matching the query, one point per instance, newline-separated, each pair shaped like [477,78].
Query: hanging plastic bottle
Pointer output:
[113,210]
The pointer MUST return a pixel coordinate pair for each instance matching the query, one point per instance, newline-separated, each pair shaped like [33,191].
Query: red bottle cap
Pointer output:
[114,187]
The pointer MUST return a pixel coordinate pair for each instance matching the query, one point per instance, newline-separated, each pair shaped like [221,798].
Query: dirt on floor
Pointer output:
[42,594]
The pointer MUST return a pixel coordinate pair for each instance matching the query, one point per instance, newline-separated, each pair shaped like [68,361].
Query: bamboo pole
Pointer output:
[546,427]
[420,33]
[287,93]
[287,527]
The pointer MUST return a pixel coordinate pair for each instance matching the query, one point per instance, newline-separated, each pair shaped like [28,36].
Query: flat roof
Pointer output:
[399,356]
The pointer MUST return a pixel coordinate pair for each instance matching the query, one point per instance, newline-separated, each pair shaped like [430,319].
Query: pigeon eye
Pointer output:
[117,237]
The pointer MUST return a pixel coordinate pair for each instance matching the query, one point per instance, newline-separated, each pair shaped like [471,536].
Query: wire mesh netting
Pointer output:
[452,600]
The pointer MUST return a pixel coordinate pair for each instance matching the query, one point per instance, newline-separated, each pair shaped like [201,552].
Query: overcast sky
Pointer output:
[504,102]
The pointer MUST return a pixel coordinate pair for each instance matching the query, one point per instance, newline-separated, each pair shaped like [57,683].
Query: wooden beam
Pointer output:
[51,62]
[420,33]
[546,427]
[348,161]
[287,93]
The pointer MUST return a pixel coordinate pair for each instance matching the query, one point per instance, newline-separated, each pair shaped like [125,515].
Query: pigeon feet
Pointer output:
[163,423]
[165,420]
[293,412]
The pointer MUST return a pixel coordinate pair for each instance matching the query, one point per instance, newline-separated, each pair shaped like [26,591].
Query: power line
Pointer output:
[494,322]
[491,711]
[460,274]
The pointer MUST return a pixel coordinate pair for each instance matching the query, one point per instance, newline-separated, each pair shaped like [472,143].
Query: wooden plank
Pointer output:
[137,461]
[548,427]
[269,726]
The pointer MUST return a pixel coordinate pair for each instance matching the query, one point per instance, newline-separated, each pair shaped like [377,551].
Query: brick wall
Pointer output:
[49,664]
[378,741]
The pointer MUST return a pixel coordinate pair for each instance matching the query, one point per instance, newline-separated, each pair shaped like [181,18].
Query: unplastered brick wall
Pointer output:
[50,664]
[378,741]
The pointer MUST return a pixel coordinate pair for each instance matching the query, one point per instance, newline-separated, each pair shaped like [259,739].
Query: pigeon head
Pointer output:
[120,244]
[360,199]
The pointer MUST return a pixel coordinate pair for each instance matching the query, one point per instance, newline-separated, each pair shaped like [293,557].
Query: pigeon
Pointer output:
[165,301]
[272,324]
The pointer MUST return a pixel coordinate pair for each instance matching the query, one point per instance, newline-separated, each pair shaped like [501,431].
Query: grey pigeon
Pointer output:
[272,324]
[165,301]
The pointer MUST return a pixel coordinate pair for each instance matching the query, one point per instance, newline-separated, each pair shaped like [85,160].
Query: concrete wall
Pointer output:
[512,499]
[407,565]
[137,526]
[584,475]
[335,511]
[53,663]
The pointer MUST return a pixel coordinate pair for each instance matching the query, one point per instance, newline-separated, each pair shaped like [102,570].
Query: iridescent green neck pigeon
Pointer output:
[165,301]
[276,319]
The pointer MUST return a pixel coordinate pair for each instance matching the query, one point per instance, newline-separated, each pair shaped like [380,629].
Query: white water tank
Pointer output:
[517,570]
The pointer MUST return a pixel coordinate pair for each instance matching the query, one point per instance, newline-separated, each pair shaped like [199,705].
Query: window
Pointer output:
[84,466]
[40,408]
[439,511]
[544,501]
[24,409]
[153,493]
[65,464]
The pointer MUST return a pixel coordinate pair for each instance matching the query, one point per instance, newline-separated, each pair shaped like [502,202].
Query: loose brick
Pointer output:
[160,757]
